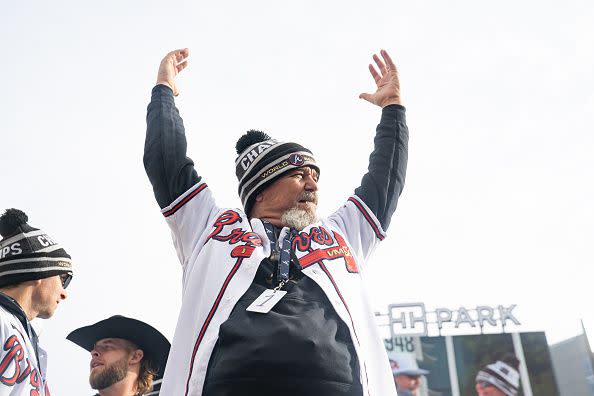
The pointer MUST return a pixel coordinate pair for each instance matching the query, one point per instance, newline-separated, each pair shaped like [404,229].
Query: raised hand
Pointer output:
[388,85]
[173,63]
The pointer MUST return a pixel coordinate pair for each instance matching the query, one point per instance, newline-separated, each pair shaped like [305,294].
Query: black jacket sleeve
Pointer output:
[382,184]
[171,173]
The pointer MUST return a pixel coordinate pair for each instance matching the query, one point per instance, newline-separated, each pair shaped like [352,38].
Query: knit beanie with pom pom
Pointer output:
[27,253]
[261,160]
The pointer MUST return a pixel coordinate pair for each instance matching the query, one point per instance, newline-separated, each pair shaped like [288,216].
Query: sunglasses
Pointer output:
[65,279]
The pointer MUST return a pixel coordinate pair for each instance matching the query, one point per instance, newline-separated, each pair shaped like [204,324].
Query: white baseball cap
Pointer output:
[405,364]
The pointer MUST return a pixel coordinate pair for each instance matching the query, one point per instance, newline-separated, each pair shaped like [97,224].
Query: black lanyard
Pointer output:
[280,254]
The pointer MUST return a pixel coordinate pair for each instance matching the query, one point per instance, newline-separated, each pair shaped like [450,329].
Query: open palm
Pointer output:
[388,85]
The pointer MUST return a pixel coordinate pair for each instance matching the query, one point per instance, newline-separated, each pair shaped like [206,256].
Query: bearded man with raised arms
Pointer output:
[273,298]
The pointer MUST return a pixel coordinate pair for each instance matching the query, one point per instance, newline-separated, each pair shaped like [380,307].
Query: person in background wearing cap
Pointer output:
[500,378]
[127,356]
[273,301]
[407,374]
[34,274]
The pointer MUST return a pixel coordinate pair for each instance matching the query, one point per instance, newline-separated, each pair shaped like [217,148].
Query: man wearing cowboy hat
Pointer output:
[407,374]
[127,355]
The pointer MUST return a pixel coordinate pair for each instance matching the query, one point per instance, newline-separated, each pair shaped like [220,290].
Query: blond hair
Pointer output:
[146,372]
[144,383]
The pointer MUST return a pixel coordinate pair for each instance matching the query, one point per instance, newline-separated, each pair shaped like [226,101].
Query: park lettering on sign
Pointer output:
[413,319]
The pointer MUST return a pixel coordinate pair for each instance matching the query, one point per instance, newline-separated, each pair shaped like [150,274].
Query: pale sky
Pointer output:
[497,208]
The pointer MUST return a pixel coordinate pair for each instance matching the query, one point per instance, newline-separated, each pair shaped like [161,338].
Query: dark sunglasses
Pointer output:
[65,279]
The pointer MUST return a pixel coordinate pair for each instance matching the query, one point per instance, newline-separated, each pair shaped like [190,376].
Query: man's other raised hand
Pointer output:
[388,85]
[173,63]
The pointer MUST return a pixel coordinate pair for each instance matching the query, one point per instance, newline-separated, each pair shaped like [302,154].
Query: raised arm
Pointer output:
[382,184]
[171,173]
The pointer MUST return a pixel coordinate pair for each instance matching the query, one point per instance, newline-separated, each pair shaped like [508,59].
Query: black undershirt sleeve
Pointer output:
[170,171]
[382,184]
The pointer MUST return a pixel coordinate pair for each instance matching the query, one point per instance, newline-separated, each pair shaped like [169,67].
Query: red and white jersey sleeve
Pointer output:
[359,225]
[189,218]
[20,374]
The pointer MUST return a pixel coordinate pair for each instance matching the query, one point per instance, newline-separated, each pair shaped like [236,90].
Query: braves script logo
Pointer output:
[337,247]
[320,236]
[237,235]
[15,367]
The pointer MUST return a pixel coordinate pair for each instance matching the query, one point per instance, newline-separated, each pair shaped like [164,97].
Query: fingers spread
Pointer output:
[389,63]
[374,73]
[380,64]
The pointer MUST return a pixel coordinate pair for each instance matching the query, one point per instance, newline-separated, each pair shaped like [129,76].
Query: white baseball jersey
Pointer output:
[220,251]
[20,373]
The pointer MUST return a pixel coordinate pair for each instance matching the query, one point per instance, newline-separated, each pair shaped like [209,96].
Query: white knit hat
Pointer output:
[501,375]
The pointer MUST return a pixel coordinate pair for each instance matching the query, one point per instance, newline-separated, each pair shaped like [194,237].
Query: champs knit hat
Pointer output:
[261,160]
[27,253]
[503,374]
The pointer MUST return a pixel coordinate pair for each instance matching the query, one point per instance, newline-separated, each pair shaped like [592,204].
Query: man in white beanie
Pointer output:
[500,378]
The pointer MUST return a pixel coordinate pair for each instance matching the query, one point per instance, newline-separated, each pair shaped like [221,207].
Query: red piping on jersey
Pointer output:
[369,219]
[185,200]
[323,267]
[209,318]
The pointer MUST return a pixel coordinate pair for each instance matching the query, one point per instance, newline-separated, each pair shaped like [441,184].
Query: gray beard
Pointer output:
[110,375]
[298,218]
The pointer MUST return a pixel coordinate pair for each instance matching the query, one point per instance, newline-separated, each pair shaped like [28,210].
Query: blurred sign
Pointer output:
[414,319]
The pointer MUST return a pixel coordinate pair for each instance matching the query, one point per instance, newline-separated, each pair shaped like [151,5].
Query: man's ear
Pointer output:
[259,197]
[137,356]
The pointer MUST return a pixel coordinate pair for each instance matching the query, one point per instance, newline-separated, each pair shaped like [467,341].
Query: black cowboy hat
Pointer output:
[154,344]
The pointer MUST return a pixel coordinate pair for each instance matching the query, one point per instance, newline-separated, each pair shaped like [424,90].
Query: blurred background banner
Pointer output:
[453,362]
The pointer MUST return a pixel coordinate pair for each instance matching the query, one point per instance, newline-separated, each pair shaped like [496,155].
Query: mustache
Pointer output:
[309,196]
